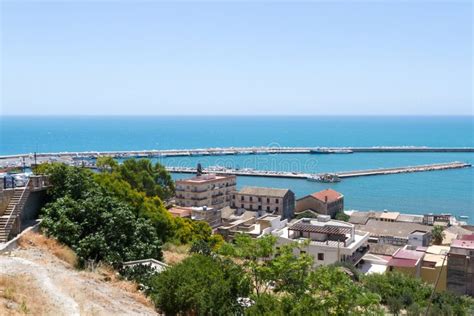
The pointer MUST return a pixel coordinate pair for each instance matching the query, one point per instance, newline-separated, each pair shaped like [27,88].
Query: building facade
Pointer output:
[326,202]
[213,191]
[461,267]
[330,241]
[265,200]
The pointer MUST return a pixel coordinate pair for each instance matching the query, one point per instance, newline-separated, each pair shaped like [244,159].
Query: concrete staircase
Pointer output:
[10,218]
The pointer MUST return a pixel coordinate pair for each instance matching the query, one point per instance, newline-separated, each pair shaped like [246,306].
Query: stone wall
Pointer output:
[5,196]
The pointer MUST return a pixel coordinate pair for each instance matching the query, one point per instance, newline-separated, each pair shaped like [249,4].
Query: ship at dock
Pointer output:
[324,178]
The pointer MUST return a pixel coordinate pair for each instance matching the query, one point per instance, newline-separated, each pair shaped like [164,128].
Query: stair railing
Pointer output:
[18,206]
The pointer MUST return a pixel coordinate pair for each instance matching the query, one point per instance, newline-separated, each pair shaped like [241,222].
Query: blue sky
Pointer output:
[225,58]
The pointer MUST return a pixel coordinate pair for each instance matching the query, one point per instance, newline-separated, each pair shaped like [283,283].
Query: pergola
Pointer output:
[334,233]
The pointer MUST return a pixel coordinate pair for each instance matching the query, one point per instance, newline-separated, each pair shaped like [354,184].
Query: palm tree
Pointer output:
[438,234]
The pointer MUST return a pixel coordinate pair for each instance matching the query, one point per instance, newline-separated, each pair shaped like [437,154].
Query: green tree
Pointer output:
[341,216]
[201,285]
[106,163]
[438,234]
[101,228]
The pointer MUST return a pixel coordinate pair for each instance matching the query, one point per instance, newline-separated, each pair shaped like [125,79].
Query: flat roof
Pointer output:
[205,178]
[390,215]
[395,229]
[465,244]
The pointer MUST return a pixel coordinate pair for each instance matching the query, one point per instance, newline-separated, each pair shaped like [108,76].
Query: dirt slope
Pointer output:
[35,281]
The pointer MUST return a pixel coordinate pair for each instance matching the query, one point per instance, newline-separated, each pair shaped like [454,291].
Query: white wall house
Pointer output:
[330,240]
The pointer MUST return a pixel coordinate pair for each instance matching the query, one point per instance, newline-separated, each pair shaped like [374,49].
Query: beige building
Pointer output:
[326,202]
[213,191]
[276,201]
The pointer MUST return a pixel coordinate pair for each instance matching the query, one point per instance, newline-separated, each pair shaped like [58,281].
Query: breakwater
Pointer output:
[239,151]
[342,175]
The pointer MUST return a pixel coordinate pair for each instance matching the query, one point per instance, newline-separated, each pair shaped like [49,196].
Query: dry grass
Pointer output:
[62,252]
[105,273]
[19,296]
[173,254]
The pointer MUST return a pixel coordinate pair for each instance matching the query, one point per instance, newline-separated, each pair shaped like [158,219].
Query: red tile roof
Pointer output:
[329,193]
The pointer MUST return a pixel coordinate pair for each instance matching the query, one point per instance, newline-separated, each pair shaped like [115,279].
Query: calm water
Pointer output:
[444,191]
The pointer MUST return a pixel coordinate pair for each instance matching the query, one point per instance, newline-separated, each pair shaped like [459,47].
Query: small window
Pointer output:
[241,206]
[268,200]
[233,196]
[276,201]
[259,207]
[276,209]
[268,208]
[242,198]
[251,199]
[260,199]
[321,256]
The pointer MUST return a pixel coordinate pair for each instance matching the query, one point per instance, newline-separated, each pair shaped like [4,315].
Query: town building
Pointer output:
[396,233]
[330,241]
[213,191]
[207,214]
[419,238]
[326,202]
[252,226]
[461,267]
[154,264]
[407,261]
[434,266]
[275,201]
[178,211]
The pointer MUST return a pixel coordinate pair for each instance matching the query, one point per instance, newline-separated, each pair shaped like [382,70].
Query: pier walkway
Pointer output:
[344,174]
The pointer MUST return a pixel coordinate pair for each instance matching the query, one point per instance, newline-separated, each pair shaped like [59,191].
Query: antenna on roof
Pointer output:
[199,170]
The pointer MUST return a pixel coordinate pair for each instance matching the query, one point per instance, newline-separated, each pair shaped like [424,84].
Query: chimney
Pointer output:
[325,199]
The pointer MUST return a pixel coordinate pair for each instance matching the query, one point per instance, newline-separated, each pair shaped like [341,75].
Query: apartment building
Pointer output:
[326,202]
[461,266]
[213,191]
[330,241]
[276,201]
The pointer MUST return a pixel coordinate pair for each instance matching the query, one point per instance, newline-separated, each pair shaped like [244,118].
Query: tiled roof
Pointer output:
[329,193]
[261,191]
[467,237]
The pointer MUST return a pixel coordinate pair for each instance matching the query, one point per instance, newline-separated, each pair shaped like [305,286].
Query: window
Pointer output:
[241,206]
[268,200]
[321,256]
[276,209]
[276,200]
[268,208]
[260,199]
[259,207]
[233,204]
[251,199]
[233,196]
[242,198]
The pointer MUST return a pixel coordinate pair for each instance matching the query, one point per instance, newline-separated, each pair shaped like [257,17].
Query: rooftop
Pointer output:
[180,211]
[395,229]
[465,244]
[328,194]
[262,191]
[205,178]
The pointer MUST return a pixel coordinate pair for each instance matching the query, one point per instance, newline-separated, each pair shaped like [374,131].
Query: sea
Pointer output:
[449,191]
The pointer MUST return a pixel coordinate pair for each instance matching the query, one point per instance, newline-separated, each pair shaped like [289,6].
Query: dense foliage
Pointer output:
[438,234]
[117,214]
[205,285]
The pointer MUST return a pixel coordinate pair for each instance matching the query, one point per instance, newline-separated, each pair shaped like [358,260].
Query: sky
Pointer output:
[236,58]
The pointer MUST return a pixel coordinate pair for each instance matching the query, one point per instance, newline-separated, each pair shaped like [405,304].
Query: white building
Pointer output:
[330,241]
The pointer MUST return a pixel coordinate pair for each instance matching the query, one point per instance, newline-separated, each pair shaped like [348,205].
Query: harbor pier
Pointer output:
[341,175]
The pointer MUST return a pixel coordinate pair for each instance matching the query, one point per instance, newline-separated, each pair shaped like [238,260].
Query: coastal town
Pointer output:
[437,248]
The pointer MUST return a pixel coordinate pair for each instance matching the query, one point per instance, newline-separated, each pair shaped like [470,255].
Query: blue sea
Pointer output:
[449,191]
